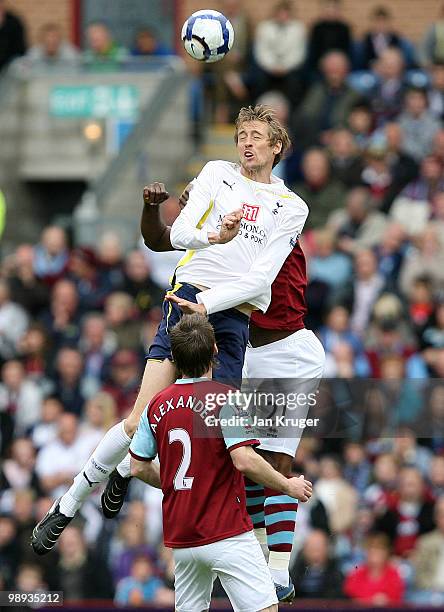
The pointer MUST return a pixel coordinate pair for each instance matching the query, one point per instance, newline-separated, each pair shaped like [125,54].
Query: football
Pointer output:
[207,36]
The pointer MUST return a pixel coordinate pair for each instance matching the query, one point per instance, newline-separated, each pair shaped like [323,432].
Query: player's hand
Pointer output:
[185,196]
[229,229]
[186,306]
[154,194]
[299,488]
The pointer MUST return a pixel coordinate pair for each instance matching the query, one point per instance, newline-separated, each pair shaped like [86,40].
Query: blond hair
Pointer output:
[267,115]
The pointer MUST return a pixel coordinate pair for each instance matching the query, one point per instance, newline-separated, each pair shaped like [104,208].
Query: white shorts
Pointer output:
[297,358]
[240,565]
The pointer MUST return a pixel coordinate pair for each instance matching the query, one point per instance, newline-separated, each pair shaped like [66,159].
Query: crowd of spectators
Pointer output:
[368,157]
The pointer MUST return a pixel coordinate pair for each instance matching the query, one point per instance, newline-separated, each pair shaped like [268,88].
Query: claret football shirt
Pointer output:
[204,494]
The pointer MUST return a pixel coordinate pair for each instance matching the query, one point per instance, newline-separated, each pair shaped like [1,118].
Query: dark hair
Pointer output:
[381,11]
[192,345]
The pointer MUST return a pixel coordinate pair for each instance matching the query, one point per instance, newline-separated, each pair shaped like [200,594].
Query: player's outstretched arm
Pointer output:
[250,463]
[146,471]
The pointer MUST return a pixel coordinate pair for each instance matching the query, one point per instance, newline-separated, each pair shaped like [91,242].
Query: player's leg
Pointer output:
[193,580]
[242,570]
[298,361]
[111,450]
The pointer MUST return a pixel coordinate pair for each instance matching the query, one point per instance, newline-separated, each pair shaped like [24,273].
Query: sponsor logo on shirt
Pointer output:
[250,211]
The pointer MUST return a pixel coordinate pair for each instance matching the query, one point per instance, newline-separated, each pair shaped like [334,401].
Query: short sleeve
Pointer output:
[236,427]
[143,445]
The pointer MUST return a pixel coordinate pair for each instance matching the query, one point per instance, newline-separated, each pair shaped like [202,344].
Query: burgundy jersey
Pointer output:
[288,308]
[204,495]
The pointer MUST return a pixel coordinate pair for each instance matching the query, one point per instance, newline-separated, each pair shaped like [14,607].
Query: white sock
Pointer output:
[124,467]
[278,563]
[109,453]
[261,537]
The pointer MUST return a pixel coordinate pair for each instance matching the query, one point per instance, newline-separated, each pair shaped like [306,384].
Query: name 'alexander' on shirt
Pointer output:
[190,402]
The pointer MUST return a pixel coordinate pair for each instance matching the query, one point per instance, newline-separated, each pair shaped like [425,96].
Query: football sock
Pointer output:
[109,453]
[280,523]
[124,467]
[255,503]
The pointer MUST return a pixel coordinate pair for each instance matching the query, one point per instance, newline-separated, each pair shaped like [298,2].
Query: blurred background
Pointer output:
[97,100]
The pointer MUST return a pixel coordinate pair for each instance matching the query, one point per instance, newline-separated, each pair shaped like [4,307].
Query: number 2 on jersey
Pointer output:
[181,481]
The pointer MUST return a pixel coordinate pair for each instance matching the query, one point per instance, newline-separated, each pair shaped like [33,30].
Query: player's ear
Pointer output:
[277,147]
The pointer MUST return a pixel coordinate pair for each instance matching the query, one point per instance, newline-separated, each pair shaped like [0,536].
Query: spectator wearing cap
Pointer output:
[428,562]
[315,572]
[412,515]
[90,282]
[14,322]
[12,36]
[418,124]
[68,386]
[51,255]
[377,582]
[124,381]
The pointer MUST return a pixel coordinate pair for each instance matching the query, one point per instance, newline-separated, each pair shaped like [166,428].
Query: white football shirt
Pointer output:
[242,270]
